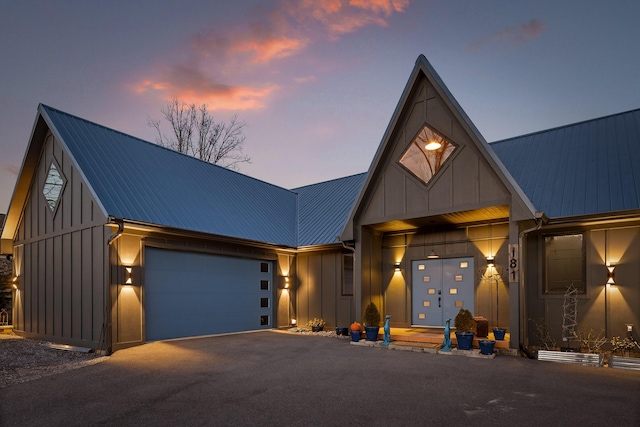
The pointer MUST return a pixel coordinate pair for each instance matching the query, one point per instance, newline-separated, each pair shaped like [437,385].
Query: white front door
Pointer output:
[440,287]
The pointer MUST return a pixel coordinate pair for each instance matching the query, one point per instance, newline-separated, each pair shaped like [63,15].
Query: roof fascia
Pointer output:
[131,225]
[25,178]
[347,232]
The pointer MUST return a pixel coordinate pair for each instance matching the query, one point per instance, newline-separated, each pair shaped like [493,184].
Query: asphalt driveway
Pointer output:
[271,378]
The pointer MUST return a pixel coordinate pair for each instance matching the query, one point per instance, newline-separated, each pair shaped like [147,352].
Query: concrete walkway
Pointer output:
[271,378]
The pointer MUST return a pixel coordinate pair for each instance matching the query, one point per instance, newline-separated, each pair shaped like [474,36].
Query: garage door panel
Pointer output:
[190,294]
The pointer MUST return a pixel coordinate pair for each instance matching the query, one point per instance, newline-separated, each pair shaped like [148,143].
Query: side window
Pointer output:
[564,261]
[347,275]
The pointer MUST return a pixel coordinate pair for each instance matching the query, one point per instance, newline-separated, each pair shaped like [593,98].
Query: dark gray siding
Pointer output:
[62,259]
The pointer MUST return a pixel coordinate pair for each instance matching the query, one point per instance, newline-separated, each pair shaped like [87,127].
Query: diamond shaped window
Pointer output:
[52,189]
[427,153]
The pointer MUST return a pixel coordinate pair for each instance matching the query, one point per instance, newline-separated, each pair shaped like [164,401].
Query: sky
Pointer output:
[316,81]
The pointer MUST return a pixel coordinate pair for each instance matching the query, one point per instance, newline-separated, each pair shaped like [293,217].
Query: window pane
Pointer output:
[564,263]
[426,154]
[53,187]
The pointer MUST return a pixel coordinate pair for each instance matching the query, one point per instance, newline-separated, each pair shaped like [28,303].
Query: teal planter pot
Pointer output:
[486,346]
[465,340]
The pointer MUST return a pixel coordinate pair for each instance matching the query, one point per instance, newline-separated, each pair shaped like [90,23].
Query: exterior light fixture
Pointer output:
[611,275]
[432,145]
[128,276]
[15,286]
[432,255]
[396,266]
[489,261]
[293,322]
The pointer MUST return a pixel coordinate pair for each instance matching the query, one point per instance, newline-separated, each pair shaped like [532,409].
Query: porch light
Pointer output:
[489,261]
[432,145]
[611,275]
[396,266]
[293,322]
[286,282]
[433,254]
[129,279]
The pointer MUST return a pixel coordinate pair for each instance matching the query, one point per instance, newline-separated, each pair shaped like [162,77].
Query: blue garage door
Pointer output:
[190,294]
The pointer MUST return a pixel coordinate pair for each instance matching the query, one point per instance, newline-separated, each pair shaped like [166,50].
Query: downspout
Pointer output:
[106,328]
[540,220]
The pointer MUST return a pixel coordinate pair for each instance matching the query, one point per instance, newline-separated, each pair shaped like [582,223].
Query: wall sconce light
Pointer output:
[432,255]
[293,322]
[489,261]
[396,266]
[611,275]
[15,284]
[286,282]
[128,276]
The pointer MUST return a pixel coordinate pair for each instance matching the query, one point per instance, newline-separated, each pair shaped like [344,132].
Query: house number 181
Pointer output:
[513,263]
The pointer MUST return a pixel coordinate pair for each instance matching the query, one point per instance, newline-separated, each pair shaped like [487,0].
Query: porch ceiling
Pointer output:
[473,216]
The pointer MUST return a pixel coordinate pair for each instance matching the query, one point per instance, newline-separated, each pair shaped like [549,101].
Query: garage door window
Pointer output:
[264,285]
[264,302]
[264,320]
[264,267]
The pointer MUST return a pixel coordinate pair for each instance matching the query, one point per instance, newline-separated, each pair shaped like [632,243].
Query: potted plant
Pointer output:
[486,346]
[498,333]
[371,322]
[465,325]
[356,331]
[316,324]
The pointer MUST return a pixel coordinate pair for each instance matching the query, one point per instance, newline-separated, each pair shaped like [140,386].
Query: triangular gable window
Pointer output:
[52,189]
[427,153]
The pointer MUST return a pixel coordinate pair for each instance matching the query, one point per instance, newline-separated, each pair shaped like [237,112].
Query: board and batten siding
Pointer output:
[466,180]
[318,290]
[62,292]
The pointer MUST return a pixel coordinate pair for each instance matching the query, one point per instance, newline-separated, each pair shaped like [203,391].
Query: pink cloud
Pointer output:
[193,86]
[247,51]
[510,37]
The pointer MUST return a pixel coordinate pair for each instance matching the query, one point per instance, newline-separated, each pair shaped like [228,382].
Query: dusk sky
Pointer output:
[316,81]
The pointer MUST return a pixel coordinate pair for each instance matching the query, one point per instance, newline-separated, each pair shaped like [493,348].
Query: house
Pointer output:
[117,241]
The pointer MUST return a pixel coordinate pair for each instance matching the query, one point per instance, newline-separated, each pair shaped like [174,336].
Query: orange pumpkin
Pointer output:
[355,326]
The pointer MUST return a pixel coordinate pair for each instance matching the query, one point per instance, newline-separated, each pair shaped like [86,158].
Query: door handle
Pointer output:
[439,300]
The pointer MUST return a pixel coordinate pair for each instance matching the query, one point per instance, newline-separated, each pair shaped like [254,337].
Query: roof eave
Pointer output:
[25,176]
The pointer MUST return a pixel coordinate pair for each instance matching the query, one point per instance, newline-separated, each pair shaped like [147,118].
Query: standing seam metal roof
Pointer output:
[141,181]
[584,168]
[324,208]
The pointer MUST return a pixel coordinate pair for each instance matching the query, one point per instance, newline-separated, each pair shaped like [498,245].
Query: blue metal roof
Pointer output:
[324,208]
[140,181]
[584,168]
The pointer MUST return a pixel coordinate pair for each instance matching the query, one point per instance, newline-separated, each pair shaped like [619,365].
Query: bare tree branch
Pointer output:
[195,132]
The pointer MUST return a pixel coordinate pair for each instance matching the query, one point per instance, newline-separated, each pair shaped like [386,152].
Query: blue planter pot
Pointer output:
[486,346]
[342,331]
[317,328]
[498,333]
[371,332]
[465,340]
[356,335]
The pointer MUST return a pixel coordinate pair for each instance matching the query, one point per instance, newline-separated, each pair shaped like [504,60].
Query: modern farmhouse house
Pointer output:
[117,241]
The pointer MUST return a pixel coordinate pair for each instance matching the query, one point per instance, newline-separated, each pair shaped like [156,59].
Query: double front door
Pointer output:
[440,287]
